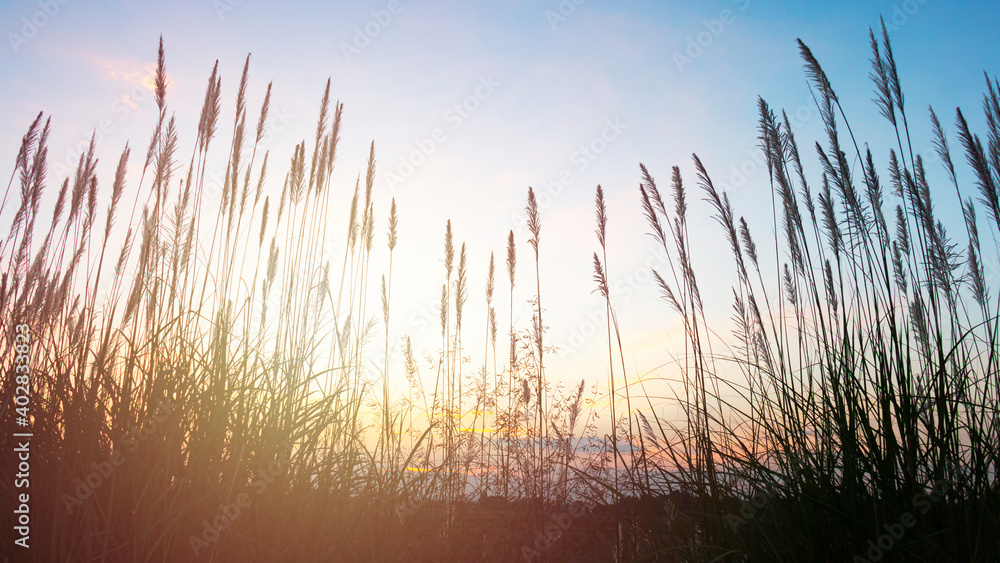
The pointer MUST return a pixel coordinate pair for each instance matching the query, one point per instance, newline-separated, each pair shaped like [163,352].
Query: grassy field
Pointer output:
[196,396]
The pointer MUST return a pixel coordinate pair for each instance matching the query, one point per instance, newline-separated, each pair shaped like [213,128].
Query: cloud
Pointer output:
[127,72]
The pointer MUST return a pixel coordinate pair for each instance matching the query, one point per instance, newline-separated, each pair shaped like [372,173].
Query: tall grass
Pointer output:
[191,376]
[200,372]
[868,352]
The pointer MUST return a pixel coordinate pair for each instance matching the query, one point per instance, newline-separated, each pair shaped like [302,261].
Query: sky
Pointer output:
[468,104]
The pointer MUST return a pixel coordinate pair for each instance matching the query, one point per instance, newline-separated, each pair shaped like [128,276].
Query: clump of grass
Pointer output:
[868,355]
[194,383]
[206,382]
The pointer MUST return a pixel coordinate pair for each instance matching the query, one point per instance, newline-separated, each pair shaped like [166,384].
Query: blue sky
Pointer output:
[627,80]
